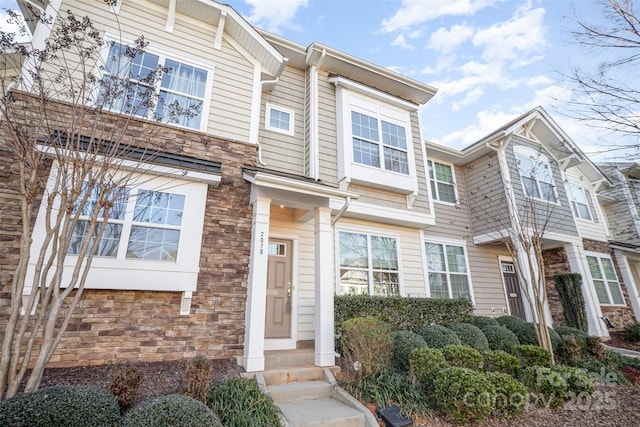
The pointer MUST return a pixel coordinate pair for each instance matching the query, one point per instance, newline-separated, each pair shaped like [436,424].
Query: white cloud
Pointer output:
[444,40]
[470,98]
[487,121]
[416,12]
[272,15]
[550,95]
[515,38]
[401,42]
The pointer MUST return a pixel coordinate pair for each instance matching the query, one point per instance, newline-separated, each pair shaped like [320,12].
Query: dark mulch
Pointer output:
[160,378]
[618,340]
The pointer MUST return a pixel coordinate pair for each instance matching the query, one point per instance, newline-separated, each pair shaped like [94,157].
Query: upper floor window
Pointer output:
[536,175]
[580,202]
[154,86]
[368,264]
[279,119]
[443,186]
[448,274]
[375,139]
[605,280]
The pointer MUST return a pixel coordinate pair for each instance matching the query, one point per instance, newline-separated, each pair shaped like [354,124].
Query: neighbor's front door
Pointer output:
[278,316]
[514,293]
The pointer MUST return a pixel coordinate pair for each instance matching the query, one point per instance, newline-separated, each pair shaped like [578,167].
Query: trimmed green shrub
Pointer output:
[569,288]
[632,332]
[483,321]
[578,334]
[526,333]
[471,336]
[509,321]
[175,410]
[532,355]
[436,336]
[463,395]
[558,383]
[61,406]
[367,344]
[511,395]
[239,402]
[570,350]
[500,338]
[579,382]
[401,312]
[425,363]
[404,342]
[462,356]
[387,389]
[501,361]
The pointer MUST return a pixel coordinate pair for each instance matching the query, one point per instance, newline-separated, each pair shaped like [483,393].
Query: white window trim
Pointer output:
[447,242]
[165,53]
[353,97]
[436,197]
[267,119]
[540,158]
[600,256]
[588,196]
[146,275]
[369,231]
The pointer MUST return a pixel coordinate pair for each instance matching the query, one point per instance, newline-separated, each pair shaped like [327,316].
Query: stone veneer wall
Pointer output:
[555,262]
[619,316]
[147,326]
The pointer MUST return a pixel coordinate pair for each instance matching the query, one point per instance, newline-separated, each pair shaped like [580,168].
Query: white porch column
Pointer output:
[523,263]
[578,264]
[253,359]
[629,282]
[324,318]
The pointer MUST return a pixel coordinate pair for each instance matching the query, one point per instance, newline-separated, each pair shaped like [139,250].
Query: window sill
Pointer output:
[384,179]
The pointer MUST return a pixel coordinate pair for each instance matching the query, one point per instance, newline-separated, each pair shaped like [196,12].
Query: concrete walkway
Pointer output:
[623,351]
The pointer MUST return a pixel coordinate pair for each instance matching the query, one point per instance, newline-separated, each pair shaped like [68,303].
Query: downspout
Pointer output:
[314,149]
[347,202]
[261,162]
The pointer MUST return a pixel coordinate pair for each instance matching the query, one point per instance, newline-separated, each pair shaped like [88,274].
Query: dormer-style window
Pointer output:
[536,175]
[155,87]
[375,141]
[442,180]
[580,202]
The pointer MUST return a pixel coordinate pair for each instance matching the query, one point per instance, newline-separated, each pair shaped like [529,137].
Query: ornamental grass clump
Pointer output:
[367,344]
[239,402]
[463,395]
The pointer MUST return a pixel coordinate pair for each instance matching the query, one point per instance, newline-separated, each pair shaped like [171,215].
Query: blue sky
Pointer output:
[491,60]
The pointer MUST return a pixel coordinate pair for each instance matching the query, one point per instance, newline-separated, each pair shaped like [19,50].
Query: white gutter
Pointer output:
[347,202]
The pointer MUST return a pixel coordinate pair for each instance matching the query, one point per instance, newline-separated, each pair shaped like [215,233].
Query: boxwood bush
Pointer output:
[424,364]
[580,335]
[532,355]
[436,336]
[404,342]
[526,333]
[500,338]
[402,312]
[510,322]
[239,402]
[369,343]
[501,361]
[556,384]
[175,410]
[462,356]
[463,395]
[61,406]
[471,336]
[511,395]
[482,321]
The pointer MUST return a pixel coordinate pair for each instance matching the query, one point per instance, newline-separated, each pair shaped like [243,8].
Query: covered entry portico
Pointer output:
[291,269]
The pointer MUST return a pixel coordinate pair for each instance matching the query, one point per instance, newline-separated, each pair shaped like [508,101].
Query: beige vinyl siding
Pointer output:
[594,229]
[412,279]
[485,195]
[283,225]
[421,204]
[191,41]
[327,132]
[559,217]
[453,222]
[285,152]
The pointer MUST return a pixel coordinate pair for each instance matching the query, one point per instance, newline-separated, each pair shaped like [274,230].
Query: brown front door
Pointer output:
[278,316]
[514,293]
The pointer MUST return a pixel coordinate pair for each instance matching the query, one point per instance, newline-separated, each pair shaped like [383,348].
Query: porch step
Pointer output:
[324,412]
[277,359]
[292,375]
[293,392]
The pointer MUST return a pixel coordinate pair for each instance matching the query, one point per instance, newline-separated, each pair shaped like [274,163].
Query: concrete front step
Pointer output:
[292,375]
[293,392]
[325,412]
[279,359]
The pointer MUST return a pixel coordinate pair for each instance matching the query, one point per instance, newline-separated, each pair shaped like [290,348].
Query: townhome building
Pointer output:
[529,174]
[304,174]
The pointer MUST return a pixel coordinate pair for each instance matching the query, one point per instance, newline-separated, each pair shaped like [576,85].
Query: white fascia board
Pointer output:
[297,186]
[385,214]
[373,93]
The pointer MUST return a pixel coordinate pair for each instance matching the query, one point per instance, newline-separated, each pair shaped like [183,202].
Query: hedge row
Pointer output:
[403,313]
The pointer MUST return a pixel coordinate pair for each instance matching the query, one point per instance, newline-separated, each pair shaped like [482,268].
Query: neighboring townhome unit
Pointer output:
[529,176]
